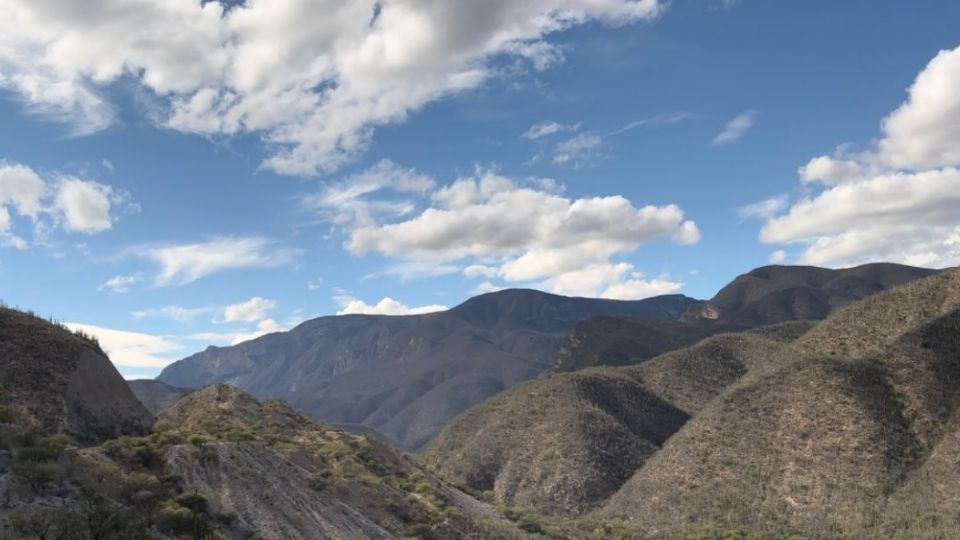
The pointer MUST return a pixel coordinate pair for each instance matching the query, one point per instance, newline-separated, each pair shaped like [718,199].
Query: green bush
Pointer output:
[198,439]
[8,415]
[175,519]
[317,483]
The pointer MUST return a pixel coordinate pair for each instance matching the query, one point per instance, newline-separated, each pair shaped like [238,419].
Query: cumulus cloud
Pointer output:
[254,309]
[897,201]
[736,128]
[524,234]
[21,188]
[132,349]
[386,306]
[312,78]
[186,263]
[85,205]
[75,204]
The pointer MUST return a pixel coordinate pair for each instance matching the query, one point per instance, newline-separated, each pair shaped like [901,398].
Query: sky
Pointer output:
[177,174]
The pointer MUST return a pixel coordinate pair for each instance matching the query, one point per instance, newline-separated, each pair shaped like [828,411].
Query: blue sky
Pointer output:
[266,163]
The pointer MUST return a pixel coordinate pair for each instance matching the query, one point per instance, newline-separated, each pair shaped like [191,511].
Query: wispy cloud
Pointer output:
[545,129]
[185,263]
[174,313]
[764,209]
[736,128]
[671,118]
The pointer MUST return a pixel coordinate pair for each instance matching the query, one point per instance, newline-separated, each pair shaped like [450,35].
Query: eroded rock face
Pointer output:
[268,493]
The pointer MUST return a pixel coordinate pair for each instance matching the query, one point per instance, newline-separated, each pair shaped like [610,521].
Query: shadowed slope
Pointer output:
[61,382]
[565,442]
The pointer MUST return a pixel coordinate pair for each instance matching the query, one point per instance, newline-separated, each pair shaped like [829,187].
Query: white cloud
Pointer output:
[314,284]
[77,205]
[477,270]
[764,209]
[487,287]
[545,129]
[347,202]
[85,205]
[777,257]
[491,216]
[186,263]
[578,150]
[22,188]
[521,234]
[264,327]
[616,281]
[924,132]
[313,78]
[409,270]
[175,313]
[132,349]
[254,309]
[119,284]
[736,128]
[386,306]
[900,200]
[660,120]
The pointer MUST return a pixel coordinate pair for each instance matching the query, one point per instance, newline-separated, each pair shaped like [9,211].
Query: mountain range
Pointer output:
[405,377]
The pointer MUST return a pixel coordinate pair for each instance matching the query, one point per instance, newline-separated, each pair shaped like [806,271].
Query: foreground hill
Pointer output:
[283,476]
[761,297]
[405,377]
[846,429]
[59,382]
[220,464]
[850,436]
[564,443]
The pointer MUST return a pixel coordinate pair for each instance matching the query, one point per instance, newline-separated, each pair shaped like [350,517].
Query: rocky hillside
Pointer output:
[59,382]
[405,377]
[221,465]
[849,436]
[283,476]
[563,443]
[761,297]
[845,429]
[156,395]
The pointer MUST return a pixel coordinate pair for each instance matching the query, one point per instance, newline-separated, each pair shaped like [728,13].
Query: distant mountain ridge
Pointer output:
[764,296]
[156,395]
[406,376]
